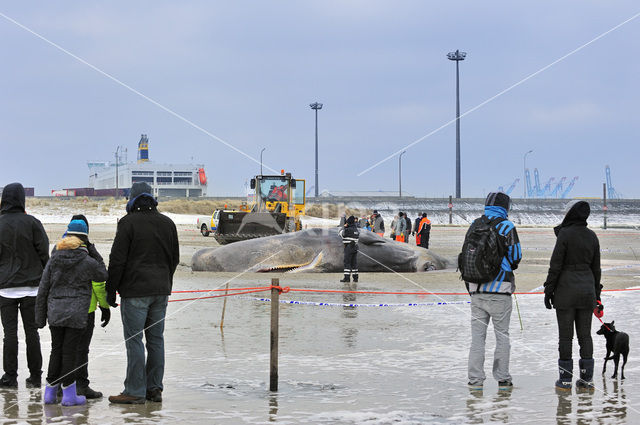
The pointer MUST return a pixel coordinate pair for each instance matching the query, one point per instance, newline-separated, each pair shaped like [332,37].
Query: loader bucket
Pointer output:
[234,226]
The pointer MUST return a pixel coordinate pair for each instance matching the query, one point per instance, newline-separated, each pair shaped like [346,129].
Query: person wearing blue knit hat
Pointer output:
[63,299]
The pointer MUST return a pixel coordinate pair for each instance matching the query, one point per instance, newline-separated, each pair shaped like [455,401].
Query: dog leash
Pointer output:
[598,312]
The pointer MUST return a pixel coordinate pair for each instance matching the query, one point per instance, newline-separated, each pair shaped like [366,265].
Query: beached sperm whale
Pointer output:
[316,250]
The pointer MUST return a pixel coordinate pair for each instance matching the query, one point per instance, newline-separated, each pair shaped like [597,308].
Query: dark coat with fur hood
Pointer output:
[65,289]
[574,270]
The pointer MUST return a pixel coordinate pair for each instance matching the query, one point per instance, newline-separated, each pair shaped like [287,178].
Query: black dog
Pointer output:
[618,343]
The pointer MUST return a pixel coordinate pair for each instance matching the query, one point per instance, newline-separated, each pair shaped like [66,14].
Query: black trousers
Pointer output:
[424,239]
[82,359]
[581,319]
[9,308]
[64,350]
[351,258]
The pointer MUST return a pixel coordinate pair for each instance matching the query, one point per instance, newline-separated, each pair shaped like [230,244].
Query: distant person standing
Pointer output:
[416,226]
[350,234]
[378,223]
[423,231]
[394,227]
[407,230]
[401,227]
[24,252]
[490,253]
[343,220]
[573,289]
[143,259]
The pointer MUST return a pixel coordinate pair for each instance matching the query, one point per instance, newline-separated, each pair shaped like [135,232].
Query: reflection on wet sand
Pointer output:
[273,407]
[492,410]
[349,331]
[614,404]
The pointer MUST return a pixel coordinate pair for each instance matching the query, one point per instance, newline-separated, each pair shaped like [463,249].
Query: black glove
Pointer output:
[105,316]
[111,299]
[93,252]
[548,301]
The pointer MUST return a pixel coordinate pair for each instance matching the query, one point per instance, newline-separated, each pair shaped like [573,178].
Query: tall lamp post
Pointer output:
[315,106]
[117,161]
[457,56]
[261,160]
[524,171]
[400,173]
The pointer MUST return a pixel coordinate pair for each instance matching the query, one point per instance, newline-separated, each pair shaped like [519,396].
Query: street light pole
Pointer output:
[261,160]
[524,171]
[315,106]
[457,56]
[117,190]
[400,173]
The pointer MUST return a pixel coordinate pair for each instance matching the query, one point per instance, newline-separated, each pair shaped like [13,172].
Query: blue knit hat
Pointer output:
[77,227]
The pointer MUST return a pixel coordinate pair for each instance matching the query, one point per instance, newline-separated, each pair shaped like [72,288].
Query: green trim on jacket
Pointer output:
[98,296]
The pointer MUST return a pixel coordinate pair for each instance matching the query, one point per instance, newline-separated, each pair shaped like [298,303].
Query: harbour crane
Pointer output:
[558,189]
[611,192]
[510,189]
[569,187]
[527,176]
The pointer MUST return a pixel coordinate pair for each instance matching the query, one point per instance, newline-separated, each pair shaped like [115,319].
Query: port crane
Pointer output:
[611,192]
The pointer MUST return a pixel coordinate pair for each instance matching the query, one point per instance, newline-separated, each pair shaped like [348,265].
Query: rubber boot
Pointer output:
[51,394]
[565,368]
[70,397]
[586,374]
[346,278]
[355,277]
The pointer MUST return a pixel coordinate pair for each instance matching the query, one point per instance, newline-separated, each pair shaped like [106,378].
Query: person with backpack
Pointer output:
[573,289]
[490,254]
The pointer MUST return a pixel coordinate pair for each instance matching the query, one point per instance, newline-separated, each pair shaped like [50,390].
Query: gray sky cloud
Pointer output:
[247,72]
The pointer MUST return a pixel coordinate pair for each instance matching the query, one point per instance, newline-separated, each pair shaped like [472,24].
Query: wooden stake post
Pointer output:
[275,304]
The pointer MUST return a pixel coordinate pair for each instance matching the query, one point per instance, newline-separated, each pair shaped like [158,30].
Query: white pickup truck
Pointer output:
[208,224]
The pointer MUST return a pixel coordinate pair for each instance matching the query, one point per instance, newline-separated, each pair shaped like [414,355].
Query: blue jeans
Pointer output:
[144,314]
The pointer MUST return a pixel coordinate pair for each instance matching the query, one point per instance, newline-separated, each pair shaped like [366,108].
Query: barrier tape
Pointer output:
[325,304]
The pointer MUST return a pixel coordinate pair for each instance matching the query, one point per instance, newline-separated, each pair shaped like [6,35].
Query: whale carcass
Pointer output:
[316,250]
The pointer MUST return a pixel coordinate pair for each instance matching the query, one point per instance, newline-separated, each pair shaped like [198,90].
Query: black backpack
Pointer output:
[482,251]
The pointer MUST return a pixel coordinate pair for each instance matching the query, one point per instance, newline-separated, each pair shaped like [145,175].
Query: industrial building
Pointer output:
[167,180]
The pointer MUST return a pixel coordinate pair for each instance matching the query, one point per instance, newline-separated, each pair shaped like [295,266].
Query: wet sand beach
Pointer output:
[354,365]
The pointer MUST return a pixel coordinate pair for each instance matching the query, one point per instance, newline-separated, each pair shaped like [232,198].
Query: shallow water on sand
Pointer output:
[348,365]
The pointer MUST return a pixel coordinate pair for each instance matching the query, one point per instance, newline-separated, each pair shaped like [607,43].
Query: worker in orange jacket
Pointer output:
[423,232]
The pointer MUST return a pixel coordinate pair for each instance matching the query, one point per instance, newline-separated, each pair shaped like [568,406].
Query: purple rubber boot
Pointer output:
[51,394]
[70,397]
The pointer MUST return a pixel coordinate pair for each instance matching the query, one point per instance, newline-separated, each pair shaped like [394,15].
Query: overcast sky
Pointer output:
[246,72]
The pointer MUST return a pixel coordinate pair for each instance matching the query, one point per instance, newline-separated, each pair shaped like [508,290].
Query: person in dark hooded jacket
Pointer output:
[573,287]
[143,259]
[64,296]
[350,234]
[24,252]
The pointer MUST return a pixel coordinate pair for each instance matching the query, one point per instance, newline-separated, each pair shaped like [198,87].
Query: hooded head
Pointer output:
[12,199]
[351,220]
[577,214]
[498,199]
[375,212]
[424,215]
[141,197]
[497,205]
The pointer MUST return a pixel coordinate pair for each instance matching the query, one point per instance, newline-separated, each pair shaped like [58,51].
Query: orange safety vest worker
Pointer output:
[423,223]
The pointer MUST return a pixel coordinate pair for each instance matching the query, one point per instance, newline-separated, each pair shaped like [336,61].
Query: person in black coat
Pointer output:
[143,259]
[350,234]
[572,288]
[24,252]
